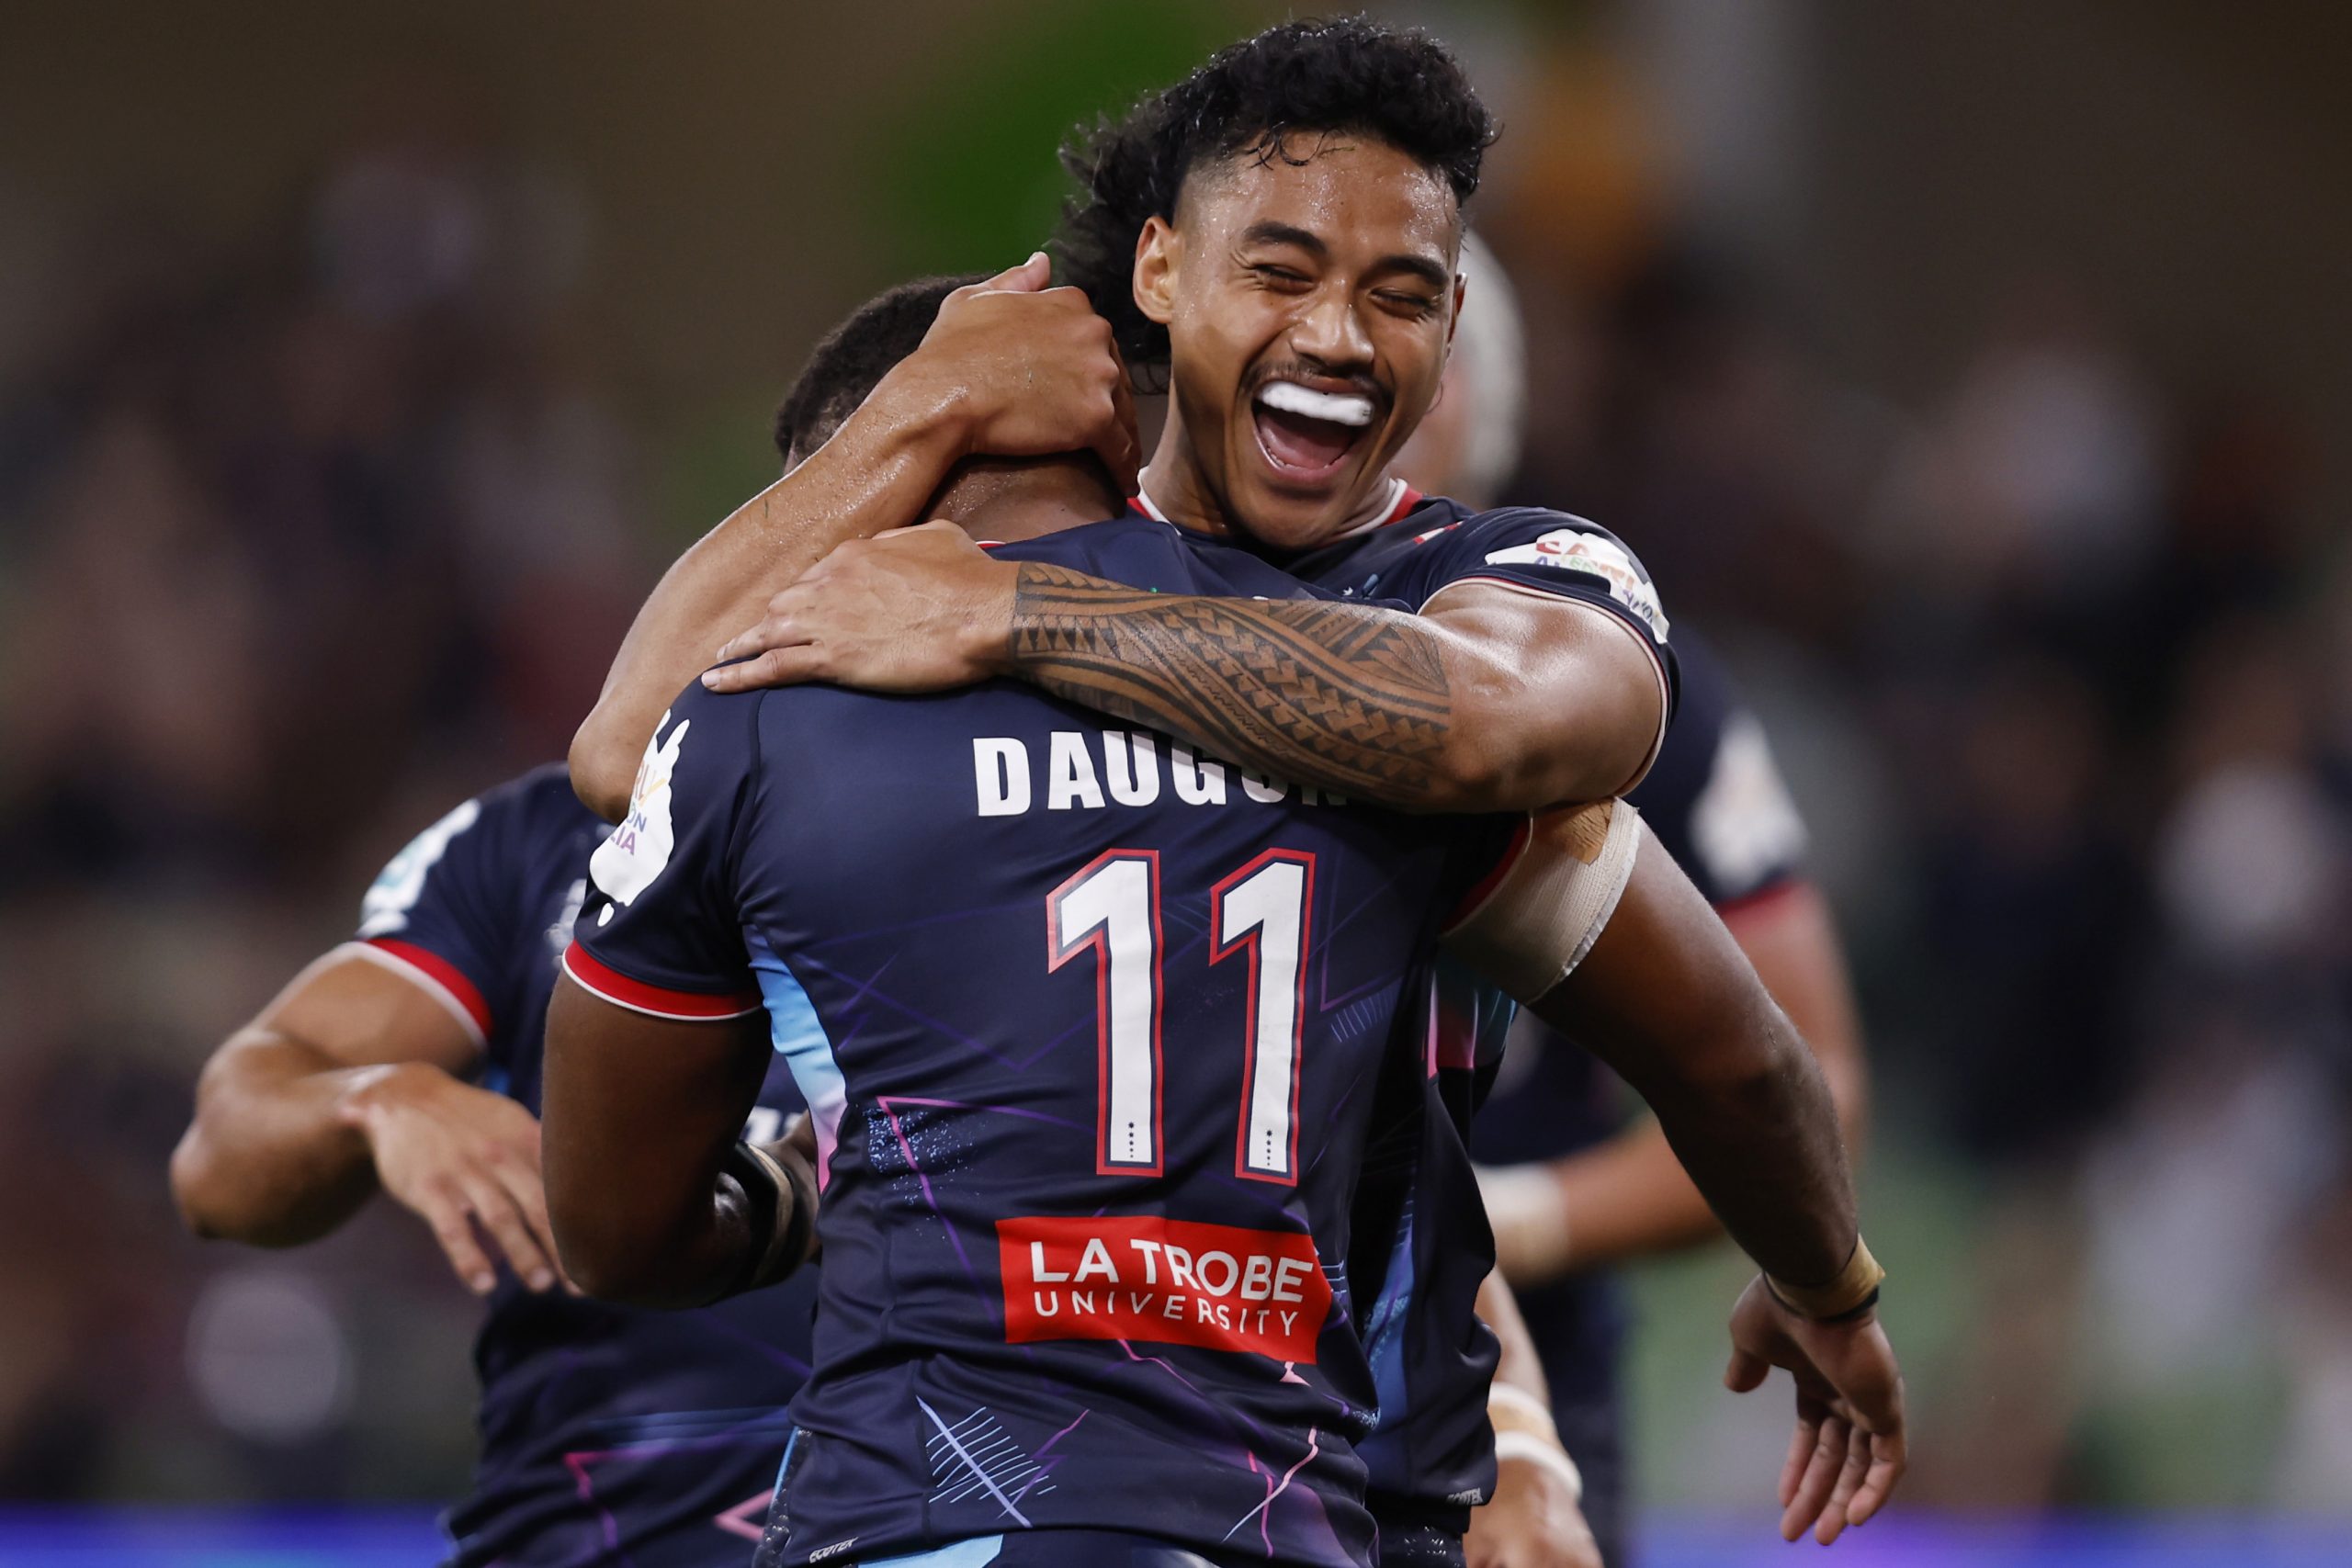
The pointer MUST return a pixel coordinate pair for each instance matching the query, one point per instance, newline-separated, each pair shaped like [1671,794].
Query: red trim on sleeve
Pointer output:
[638,997]
[443,973]
[1485,890]
[1764,897]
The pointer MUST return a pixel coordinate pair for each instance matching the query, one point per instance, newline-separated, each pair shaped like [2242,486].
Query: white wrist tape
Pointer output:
[1543,916]
[1535,1450]
[1526,1413]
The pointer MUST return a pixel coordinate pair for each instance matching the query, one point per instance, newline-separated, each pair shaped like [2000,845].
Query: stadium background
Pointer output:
[1977,374]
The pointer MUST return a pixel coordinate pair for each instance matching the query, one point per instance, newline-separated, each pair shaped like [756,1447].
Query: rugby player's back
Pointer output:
[1091,1027]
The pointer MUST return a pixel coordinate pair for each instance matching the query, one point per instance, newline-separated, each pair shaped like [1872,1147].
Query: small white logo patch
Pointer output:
[1573,549]
[625,864]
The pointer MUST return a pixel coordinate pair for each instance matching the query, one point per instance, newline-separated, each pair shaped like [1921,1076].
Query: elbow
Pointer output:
[608,1257]
[1752,1059]
[602,772]
[195,1183]
[601,1261]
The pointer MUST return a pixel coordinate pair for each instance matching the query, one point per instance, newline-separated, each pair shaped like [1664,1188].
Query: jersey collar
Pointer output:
[1396,500]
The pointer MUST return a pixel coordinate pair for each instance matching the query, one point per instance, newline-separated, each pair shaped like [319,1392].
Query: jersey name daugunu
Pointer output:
[1432,1456]
[1091,1026]
[608,1434]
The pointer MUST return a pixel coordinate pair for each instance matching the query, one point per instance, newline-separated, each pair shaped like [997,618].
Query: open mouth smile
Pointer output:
[1305,433]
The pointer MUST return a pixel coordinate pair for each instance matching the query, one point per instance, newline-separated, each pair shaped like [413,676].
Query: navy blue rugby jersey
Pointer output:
[1718,804]
[1093,1027]
[608,1434]
[1432,1456]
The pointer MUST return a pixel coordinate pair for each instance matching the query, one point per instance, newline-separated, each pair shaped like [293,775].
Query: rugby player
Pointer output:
[409,1059]
[868,860]
[1534,695]
[1189,173]
[1567,1194]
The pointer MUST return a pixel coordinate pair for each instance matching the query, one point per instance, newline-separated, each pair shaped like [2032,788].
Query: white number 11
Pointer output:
[1112,908]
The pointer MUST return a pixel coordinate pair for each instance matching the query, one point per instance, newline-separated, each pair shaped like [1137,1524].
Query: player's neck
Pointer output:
[1003,501]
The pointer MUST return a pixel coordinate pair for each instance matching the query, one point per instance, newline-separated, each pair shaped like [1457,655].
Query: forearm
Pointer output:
[1751,1138]
[272,1156]
[1519,1364]
[1373,702]
[875,474]
[1668,999]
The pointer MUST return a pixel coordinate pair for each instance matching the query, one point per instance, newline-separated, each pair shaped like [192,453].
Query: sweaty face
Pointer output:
[1309,307]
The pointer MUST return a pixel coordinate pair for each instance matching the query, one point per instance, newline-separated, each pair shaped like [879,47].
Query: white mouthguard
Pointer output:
[1339,408]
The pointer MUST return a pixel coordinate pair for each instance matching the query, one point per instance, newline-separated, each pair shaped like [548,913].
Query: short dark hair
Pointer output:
[1350,76]
[853,359]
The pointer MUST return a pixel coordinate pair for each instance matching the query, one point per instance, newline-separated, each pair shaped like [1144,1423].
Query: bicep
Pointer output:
[637,1113]
[1536,660]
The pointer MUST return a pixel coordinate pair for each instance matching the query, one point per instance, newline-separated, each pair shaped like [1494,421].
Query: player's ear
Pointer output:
[1453,322]
[1159,250]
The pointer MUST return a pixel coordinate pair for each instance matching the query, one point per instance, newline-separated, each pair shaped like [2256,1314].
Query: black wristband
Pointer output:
[762,1201]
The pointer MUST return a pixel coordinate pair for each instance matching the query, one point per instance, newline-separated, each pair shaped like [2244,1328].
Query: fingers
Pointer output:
[1822,1466]
[1889,1459]
[447,1211]
[1834,1517]
[529,1193]
[1800,1441]
[498,1215]
[1746,1371]
[1030,277]
[777,667]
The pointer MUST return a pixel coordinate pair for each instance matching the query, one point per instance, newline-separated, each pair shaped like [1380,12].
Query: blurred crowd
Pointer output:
[303,541]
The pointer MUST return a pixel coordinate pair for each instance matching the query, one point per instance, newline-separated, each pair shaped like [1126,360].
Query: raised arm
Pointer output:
[1011,368]
[349,1079]
[1491,699]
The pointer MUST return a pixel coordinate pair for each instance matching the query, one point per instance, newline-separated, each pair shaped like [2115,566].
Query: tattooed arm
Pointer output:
[1491,699]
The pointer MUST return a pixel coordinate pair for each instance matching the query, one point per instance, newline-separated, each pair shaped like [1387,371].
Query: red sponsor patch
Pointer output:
[1165,1282]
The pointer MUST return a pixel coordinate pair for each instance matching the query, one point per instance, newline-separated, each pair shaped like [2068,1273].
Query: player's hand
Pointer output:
[1532,1521]
[1025,371]
[467,1161]
[1848,1451]
[913,609]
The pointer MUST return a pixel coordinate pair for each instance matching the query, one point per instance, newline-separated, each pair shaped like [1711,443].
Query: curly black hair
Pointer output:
[853,359]
[1349,75]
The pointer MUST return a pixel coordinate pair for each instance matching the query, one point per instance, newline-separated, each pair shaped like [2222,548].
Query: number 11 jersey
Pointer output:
[1091,1027]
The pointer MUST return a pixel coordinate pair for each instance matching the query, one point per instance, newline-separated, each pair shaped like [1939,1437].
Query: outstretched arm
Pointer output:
[1664,995]
[351,1079]
[1630,1197]
[1491,699]
[1011,368]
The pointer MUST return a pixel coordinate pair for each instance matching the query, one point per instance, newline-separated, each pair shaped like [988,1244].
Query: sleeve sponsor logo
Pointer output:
[625,864]
[385,908]
[1163,1281]
[1596,555]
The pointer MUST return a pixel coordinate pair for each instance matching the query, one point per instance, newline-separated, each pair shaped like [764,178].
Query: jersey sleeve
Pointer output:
[659,930]
[1715,798]
[443,912]
[1556,556]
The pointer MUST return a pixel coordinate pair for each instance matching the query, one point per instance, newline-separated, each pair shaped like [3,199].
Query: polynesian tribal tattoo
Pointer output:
[1340,696]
